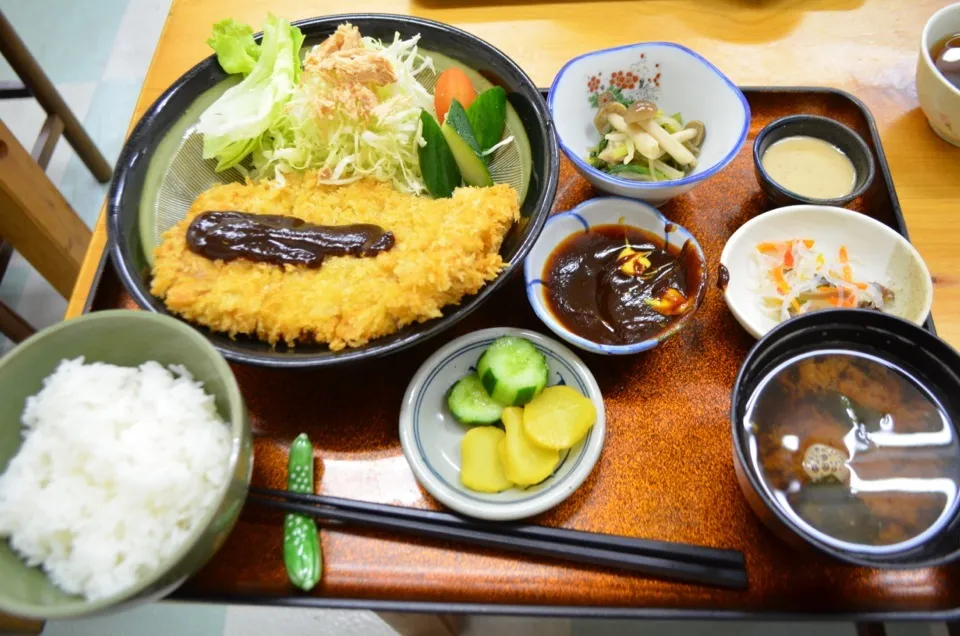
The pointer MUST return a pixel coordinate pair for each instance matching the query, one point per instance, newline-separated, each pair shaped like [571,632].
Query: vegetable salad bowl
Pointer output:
[677,80]
[160,173]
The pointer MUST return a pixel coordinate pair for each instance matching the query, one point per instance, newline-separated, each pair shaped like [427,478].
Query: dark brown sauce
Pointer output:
[723,277]
[946,57]
[589,293]
[281,240]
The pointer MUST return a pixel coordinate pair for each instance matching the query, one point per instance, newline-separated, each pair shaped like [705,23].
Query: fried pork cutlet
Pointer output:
[445,249]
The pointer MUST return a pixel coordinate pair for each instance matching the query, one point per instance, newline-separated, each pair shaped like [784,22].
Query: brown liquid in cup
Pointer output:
[946,57]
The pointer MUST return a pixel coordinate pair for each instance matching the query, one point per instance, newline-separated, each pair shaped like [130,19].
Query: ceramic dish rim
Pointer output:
[501,511]
[543,313]
[654,185]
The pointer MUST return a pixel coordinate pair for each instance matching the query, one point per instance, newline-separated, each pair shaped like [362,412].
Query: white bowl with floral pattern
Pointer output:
[673,76]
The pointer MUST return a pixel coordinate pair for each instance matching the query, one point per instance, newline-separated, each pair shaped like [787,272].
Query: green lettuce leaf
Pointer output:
[233,125]
[234,45]
[297,37]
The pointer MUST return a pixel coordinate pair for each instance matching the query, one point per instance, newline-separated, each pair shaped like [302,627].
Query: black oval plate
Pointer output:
[123,200]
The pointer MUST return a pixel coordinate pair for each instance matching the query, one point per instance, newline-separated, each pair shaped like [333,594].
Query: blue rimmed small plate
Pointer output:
[431,436]
[609,211]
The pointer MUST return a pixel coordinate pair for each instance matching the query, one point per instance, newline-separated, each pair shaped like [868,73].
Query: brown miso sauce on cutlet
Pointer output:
[591,294]
[281,240]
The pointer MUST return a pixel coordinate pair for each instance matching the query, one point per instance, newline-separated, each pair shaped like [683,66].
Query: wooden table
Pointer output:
[868,48]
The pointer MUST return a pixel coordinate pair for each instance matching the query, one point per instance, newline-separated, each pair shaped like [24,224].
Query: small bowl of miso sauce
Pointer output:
[811,159]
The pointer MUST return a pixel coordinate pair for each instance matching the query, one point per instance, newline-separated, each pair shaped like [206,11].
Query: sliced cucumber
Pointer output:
[471,166]
[487,114]
[458,120]
[513,371]
[437,163]
[470,403]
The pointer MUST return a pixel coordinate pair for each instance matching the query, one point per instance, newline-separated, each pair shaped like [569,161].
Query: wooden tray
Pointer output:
[666,470]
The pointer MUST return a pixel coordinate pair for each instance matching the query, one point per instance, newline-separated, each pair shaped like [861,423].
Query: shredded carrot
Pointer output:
[782,285]
[802,278]
[788,257]
[768,247]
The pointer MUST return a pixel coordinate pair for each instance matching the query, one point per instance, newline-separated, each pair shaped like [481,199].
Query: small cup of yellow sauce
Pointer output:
[811,159]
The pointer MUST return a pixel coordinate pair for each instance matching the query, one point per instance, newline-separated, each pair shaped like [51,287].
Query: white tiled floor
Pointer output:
[101,82]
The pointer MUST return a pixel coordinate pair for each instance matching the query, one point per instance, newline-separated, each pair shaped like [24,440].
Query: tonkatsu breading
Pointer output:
[445,249]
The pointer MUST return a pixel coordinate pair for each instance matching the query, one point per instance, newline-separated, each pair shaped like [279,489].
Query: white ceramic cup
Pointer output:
[939,99]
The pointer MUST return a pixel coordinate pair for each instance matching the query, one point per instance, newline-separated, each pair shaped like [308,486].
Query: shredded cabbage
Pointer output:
[343,147]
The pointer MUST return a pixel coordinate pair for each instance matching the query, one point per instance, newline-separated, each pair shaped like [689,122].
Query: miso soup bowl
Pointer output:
[929,359]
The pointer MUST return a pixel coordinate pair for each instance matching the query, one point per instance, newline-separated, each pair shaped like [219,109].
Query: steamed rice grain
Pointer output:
[118,466]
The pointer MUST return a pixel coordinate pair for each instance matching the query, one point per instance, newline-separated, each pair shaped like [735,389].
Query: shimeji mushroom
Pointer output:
[699,131]
[643,113]
[640,130]
[601,121]
[644,143]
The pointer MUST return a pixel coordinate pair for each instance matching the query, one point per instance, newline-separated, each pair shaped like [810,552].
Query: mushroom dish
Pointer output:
[640,142]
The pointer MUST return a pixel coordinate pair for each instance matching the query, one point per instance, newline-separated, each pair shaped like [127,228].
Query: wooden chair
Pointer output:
[36,220]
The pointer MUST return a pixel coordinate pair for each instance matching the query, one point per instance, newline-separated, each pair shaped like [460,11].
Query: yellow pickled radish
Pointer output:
[480,466]
[558,418]
[524,463]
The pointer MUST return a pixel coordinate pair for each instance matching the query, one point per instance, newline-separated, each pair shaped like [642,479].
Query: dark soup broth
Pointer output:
[617,285]
[855,449]
[946,57]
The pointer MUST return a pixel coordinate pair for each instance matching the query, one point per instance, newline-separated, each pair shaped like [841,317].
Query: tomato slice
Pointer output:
[453,84]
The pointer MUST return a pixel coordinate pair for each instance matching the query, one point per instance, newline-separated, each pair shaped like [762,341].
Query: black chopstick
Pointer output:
[703,573]
[646,547]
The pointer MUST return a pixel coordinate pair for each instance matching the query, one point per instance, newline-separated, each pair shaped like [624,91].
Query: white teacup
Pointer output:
[939,99]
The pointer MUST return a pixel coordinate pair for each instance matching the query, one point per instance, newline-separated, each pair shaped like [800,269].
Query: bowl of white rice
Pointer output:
[125,456]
